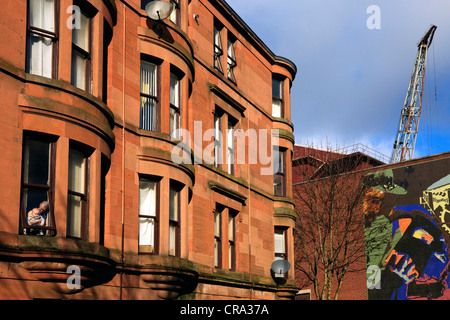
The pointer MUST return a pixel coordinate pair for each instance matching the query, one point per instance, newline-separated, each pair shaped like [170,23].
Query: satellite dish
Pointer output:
[280,266]
[158,10]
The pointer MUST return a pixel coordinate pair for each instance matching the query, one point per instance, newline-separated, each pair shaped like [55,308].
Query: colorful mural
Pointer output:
[407,232]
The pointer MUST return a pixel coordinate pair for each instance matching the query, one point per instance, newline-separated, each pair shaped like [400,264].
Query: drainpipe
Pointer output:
[123,146]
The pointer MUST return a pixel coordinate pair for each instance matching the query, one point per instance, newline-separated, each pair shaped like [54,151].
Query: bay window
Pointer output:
[277,98]
[279,163]
[42,38]
[175,107]
[77,200]
[174,221]
[148,216]
[38,161]
[81,54]
[280,243]
[149,96]
[175,16]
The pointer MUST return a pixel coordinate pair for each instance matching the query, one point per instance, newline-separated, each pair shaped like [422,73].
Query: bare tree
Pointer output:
[329,231]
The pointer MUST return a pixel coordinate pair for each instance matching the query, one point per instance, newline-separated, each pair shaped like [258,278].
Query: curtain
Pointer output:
[79,70]
[174,90]
[276,108]
[147,212]
[80,36]
[40,48]
[42,14]
[148,88]
[74,209]
[279,243]
[173,207]
[77,176]
[40,55]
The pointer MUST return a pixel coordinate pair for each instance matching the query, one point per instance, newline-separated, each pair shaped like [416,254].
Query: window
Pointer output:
[218,49]
[77,200]
[148,216]
[231,240]
[218,141]
[149,96]
[37,186]
[231,60]
[279,162]
[230,148]
[175,16]
[174,221]
[175,117]
[277,98]
[42,38]
[217,238]
[280,243]
[81,54]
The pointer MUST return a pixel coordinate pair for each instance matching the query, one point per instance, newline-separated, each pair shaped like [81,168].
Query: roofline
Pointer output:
[244,25]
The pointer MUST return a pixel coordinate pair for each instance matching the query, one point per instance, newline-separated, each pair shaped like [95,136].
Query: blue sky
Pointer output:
[352,81]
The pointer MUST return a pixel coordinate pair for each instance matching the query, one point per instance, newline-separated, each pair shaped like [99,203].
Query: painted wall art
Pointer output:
[407,232]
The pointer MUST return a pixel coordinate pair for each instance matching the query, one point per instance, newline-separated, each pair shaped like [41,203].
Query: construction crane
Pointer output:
[410,115]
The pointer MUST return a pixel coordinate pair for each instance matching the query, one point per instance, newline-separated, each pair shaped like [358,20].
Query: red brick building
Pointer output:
[94,94]
[402,218]
[313,171]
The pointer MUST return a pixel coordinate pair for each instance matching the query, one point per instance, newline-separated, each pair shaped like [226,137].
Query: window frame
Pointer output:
[231,147]
[280,99]
[218,139]
[218,46]
[231,58]
[279,177]
[49,189]
[176,13]
[38,32]
[218,237]
[176,117]
[84,219]
[143,249]
[175,223]
[232,239]
[283,255]
[87,55]
[157,101]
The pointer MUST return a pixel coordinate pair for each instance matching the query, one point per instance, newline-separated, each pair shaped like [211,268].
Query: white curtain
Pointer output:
[40,48]
[147,212]
[79,70]
[276,108]
[80,36]
[279,243]
[277,94]
[74,209]
[76,183]
[40,55]
[77,176]
[42,14]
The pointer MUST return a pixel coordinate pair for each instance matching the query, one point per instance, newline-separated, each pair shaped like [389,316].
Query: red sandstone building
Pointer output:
[92,95]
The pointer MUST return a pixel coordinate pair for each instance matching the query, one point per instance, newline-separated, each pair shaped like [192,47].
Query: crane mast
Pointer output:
[410,115]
